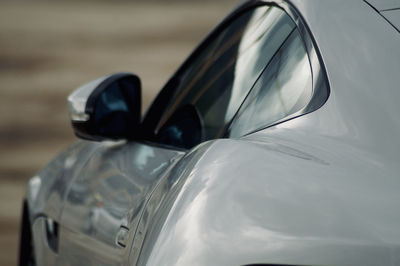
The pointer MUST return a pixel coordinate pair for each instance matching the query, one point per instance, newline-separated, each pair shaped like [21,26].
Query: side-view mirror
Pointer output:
[106,108]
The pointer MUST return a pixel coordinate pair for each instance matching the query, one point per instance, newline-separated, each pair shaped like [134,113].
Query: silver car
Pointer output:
[275,142]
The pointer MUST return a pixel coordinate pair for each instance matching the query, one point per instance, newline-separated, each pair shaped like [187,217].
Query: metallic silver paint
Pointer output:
[384,4]
[78,98]
[393,16]
[54,180]
[273,200]
[98,187]
[109,193]
[43,254]
[319,189]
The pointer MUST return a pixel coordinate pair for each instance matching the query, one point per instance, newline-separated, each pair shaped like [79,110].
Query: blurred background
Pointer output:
[48,48]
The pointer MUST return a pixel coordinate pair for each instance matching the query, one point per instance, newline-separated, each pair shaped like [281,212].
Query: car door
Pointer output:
[107,197]
[105,200]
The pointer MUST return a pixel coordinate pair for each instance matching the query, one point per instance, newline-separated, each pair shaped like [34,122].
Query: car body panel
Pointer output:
[109,193]
[363,78]
[100,197]
[241,203]
[393,16]
[384,4]
[43,254]
[357,175]
[318,189]
[46,191]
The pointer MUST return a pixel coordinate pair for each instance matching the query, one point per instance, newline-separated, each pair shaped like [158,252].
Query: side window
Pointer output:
[212,86]
[284,87]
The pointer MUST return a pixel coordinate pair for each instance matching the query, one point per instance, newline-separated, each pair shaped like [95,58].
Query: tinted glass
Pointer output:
[216,82]
[283,88]
[116,109]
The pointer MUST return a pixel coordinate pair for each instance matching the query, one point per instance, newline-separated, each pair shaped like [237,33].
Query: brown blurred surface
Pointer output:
[49,48]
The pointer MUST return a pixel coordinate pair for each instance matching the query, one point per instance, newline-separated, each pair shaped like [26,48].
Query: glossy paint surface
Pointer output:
[77,99]
[384,4]
[321,189]
[47,190]
[273,200]
[107,197]
[393,16]
[43,253]
[100,189]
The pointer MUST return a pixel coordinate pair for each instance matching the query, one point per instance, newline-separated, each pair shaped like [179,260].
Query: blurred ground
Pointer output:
[49,48]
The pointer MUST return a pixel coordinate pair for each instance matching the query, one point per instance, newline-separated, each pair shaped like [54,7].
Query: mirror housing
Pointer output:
[107,108]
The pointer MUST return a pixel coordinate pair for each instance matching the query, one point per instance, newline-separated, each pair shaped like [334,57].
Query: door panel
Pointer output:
[105,200]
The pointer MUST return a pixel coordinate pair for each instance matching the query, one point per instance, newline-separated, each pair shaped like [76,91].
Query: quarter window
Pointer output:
[284,87]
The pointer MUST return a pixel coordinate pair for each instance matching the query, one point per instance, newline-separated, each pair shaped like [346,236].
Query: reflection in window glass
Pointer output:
[219,78]
[284,88]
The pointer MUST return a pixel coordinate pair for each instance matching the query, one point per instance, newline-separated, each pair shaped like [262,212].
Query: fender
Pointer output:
[247,201]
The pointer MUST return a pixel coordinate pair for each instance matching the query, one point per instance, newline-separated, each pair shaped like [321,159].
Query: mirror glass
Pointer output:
[116,108]
[107,108]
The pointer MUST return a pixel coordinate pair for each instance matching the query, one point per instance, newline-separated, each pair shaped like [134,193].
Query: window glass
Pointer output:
[284,87]
[218,79]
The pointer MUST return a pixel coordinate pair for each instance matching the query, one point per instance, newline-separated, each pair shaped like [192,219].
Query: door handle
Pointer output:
[122,236]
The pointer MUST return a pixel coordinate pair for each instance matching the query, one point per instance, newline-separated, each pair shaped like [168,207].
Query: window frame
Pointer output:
[320,83]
